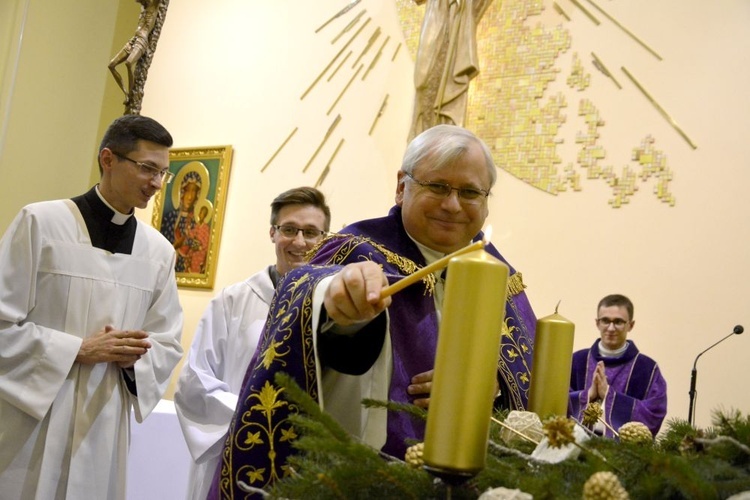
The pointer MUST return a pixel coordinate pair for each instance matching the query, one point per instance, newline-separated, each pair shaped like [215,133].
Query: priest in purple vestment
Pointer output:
[627,383]
[329,329]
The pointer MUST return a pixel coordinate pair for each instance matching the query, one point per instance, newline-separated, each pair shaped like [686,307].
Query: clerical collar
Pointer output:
[118,218]
[606,353]
[428,253]
[100,223]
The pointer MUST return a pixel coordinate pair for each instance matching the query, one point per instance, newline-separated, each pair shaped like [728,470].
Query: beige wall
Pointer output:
[54,78]
[232,72]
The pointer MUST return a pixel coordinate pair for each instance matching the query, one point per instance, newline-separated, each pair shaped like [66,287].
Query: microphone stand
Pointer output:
[694,374]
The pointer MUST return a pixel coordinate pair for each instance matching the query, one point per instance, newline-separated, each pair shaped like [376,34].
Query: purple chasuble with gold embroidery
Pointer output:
[258,439]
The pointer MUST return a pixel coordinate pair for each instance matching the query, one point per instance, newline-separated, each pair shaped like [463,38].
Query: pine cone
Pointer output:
[592,413]
[604,486]
[635,433]
[414,455]
[559,431]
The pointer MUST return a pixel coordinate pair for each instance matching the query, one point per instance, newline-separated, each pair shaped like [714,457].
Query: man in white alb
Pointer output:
[90,324]
[229,331]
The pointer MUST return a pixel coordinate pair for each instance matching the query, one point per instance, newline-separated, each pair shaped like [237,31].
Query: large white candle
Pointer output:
[464,382]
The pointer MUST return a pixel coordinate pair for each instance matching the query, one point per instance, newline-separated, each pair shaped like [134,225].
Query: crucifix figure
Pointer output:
[446,61]
[136,54]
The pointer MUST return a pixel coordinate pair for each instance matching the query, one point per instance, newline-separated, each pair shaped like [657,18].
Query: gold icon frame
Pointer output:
[195,231]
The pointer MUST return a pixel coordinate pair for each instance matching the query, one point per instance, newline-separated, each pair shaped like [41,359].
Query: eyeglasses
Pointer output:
[309,234]
[146,169]
[605,322]
[472,196]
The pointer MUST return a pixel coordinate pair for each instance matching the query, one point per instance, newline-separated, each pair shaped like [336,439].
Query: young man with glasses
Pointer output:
[230,328]
[627,383]
[90,324]
[341,343]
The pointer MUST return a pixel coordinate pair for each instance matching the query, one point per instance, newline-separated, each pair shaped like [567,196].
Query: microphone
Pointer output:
[735,331]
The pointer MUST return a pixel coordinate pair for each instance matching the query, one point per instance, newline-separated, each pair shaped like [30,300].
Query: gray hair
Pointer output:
[443,144]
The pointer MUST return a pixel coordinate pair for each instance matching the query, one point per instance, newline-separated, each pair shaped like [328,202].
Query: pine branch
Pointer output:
[723,439]
[512,451]
[411,409]
[333,465]
[308,405]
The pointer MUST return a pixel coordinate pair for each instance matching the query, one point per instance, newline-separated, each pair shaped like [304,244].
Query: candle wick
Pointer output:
[558,305]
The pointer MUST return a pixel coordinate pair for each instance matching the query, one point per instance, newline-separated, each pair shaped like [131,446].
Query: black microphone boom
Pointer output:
[735,331]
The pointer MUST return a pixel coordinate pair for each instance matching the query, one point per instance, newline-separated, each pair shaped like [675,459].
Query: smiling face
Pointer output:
[445,223]
[614,324]
[290,252]
[124,185]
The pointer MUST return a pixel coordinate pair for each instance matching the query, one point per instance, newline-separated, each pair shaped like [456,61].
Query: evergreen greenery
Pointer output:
[684,462]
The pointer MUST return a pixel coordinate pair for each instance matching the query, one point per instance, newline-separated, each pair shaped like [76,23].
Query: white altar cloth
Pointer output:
[159,460]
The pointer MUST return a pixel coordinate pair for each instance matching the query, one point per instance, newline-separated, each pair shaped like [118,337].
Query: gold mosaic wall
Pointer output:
[511,109]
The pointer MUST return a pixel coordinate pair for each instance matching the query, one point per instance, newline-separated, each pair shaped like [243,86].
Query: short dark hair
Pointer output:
[123,134]
[616,300]
[301,196]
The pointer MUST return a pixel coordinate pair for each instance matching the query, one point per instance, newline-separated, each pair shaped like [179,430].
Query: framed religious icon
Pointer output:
[189,211]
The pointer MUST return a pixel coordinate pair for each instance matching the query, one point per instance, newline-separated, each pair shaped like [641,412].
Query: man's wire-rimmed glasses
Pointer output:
[605,322]
[309,234]
[163,174]
[472,196]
